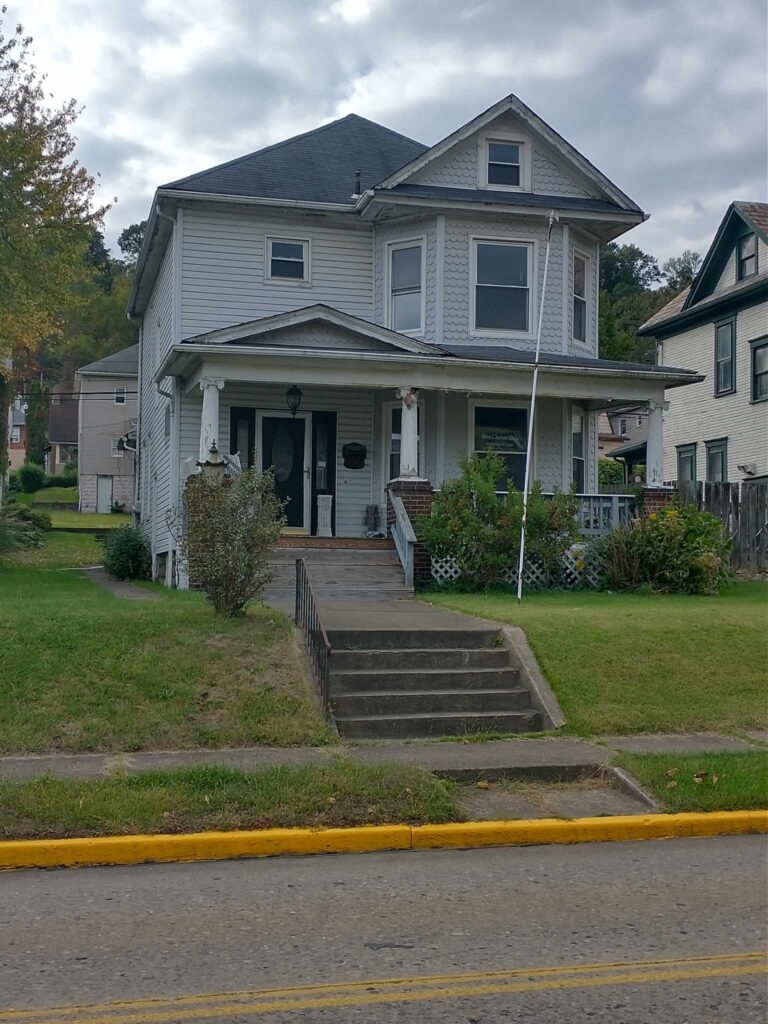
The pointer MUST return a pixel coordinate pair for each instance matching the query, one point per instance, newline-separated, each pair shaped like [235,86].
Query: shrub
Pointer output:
[60,480]
[27,514]
[610,473]
[480,530]
[70,470]
[31,477]
[230,528]
[16,531]
[127,554]
[675,550]
[13,482]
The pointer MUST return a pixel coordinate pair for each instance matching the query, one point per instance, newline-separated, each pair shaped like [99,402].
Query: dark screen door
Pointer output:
[284,451]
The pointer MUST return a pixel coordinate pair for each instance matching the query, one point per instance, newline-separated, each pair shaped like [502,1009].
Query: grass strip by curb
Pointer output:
[38,853]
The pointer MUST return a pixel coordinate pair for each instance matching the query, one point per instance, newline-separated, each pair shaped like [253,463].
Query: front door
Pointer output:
[103,493]
[284,449]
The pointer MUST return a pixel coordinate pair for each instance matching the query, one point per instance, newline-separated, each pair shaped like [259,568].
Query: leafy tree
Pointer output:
[627,269]
[38,398]
[679,271]
[129,240]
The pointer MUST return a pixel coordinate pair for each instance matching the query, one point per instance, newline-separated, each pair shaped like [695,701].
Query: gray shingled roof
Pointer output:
[503,354]
[124,361]
[473,195]
[317,167]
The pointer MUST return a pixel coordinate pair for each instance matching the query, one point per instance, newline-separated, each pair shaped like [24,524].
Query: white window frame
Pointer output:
[500,403]
[533,263]
[386,437]
[406,243]
[113,451]
[577,253]
[119,395]
[483,154]
[290,281]
[15,435]
[579,410]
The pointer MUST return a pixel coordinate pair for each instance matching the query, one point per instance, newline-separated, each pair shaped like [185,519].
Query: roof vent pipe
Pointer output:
[358,188]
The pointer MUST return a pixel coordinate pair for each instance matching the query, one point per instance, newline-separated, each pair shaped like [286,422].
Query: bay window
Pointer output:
[502,287]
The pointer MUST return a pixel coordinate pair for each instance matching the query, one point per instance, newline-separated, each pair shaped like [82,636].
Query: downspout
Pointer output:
[529,446]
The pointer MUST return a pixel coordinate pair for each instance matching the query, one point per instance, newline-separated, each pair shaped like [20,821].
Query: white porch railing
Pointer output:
[599,513]
[404,537]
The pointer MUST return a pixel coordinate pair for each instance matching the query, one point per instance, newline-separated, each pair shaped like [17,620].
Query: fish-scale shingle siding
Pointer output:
[389,232]
[546,177]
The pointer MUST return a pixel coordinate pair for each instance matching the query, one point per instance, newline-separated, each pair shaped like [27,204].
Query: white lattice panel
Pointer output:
[577,570]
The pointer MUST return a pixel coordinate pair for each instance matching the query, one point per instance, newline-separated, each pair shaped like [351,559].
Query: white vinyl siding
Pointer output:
[223,273]
[695,415]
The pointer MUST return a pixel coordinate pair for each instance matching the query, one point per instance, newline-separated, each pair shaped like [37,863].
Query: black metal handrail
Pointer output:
[318,645]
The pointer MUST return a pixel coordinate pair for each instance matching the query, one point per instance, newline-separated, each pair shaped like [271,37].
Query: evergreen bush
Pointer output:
[31,477]
[127,554]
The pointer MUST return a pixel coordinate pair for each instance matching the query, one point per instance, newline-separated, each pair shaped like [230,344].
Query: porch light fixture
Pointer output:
[215,466]
[293,397]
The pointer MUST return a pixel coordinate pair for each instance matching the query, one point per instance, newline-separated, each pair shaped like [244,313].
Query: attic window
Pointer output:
[504,164]
[288,260]
[119,396]
[747,257]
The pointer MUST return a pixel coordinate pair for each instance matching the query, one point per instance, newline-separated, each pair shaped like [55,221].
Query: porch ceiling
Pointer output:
[598,385]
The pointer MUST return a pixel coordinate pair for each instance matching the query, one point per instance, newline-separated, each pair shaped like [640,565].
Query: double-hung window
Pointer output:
[119,396]
[502,292]
[717,459]
[504,164]
[760,370]
[747,256]
[725,357]
[393,425]
[502,430]
[686,463]
[579,297]
[288,259]
[406,286]
[114,448]
[15,435]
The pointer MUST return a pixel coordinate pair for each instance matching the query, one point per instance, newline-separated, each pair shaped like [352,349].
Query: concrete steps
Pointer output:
[399,683]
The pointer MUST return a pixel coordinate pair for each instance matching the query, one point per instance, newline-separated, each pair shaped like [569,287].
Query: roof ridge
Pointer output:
[285,142]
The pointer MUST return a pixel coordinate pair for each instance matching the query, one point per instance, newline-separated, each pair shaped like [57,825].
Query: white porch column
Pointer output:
[654,468]
[209,418]
[409,433]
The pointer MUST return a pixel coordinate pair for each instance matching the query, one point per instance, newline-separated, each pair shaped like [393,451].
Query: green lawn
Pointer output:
[83,670]
[48,495]
[62,518]
[732,781]
[207,799]
[60,551]
[626,663]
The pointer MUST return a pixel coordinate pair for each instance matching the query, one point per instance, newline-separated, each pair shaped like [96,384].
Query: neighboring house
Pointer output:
[718,429]
[17,439]
[107,407]
[62,429]
[353,307]
[623,436]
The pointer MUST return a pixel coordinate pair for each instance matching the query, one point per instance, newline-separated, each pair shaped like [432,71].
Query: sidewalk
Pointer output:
[556,759]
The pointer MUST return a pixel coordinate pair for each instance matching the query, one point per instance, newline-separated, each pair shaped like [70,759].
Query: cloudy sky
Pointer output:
[668,98]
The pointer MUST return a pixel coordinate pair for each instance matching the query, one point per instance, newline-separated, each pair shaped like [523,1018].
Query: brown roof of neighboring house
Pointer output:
[672,308]
[757,213]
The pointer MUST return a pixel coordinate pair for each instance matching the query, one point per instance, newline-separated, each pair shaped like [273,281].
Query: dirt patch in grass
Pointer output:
[83,670]
[732,781]
[212,798]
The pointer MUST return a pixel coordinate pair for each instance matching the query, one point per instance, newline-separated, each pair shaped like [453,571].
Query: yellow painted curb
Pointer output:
[49,853]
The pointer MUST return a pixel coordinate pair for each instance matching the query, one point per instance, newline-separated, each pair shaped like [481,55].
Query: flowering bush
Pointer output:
[675,550]
[480,529]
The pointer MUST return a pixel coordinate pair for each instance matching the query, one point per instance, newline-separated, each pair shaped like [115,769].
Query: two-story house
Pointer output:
[718,429]
[353,308]
[107,416]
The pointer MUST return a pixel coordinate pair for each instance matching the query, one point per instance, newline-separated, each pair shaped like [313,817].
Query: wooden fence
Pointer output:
[743,508]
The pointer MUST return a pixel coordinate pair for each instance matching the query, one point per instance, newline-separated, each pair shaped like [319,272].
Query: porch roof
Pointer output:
[266,350]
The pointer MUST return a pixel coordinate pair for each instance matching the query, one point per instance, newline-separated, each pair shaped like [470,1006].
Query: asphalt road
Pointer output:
[622,933]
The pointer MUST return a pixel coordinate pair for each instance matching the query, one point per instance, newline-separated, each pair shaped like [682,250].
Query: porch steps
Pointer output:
[339,572]
[400,683]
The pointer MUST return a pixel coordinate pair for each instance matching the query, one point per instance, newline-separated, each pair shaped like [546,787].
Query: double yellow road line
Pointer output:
[254,1002]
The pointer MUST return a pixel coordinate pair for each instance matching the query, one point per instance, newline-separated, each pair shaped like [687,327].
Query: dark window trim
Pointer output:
[690,448]
[717,325]
[739,259]
[755,344]
[718,444]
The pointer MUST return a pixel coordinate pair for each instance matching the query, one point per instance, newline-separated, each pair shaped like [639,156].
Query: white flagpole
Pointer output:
[529,446]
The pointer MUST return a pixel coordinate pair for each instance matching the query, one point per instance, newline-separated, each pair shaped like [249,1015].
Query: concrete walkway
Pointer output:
[119,588]
[542,759]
